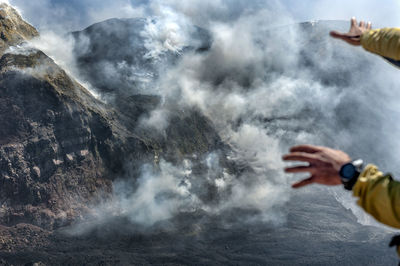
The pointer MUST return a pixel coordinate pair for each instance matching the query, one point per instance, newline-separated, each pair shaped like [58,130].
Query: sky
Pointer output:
[59,15]
[381,13]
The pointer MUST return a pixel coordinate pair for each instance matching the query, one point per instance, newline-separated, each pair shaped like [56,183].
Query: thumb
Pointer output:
[336,34]
[353,40]
[304,182]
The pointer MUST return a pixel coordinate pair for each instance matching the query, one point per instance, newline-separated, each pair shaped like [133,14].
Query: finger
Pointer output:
[304,182]
[353,22]
[353,41]
[306,148]
[299,169]
[362,24]
[301,156]
[369,25]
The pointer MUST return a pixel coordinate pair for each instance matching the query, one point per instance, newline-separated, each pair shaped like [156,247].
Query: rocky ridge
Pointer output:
[13,28]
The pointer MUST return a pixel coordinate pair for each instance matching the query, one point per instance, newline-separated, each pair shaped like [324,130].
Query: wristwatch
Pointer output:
[350,172]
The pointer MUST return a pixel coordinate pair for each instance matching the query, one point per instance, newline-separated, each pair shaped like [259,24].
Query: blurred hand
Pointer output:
[324,164]
[353,37]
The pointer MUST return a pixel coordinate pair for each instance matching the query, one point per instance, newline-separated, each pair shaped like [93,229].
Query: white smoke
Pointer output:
[158,120]
[60,49]
[158,196]
[167,33]
[250,75]
[243,58]
[163,193]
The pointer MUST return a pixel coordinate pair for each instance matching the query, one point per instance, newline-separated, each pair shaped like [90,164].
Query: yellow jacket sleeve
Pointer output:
[379,195]
[384,42]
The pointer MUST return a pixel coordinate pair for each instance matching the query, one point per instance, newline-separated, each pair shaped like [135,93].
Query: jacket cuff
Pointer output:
[369,173]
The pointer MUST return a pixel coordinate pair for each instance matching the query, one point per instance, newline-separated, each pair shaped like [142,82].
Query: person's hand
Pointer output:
[353,37]
[324,164]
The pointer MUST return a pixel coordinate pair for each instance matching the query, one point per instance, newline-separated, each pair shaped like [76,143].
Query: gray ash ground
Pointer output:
[317,233]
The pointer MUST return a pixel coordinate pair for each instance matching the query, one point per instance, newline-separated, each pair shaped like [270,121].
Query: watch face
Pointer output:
[348,171]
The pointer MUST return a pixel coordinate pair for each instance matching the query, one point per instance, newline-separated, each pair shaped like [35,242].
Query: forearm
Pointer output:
[379,195]
[384,42]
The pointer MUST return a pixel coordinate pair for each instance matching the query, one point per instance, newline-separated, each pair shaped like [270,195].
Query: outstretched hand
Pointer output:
[324,164]
[353,37]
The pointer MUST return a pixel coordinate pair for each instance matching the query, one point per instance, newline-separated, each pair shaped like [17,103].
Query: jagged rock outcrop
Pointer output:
[59,146]
[13,29]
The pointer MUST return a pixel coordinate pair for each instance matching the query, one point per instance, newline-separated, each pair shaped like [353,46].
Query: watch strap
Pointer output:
[349,183]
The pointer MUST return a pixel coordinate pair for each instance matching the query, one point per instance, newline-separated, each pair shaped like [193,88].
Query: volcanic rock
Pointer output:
[59,145]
